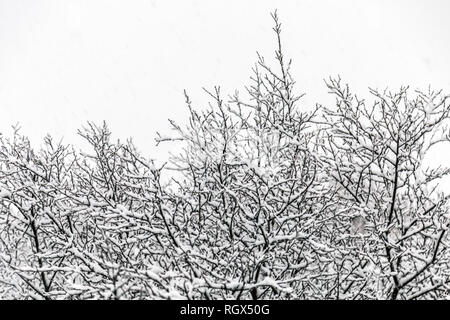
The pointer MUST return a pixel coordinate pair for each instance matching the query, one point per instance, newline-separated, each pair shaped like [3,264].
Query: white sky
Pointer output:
[127,62]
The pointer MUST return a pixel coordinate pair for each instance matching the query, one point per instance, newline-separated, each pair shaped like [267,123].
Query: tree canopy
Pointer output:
[270,200]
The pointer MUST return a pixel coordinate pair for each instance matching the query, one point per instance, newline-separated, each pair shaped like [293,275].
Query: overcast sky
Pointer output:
[127,62]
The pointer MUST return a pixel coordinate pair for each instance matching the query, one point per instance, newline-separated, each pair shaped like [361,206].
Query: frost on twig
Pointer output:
[269,201]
